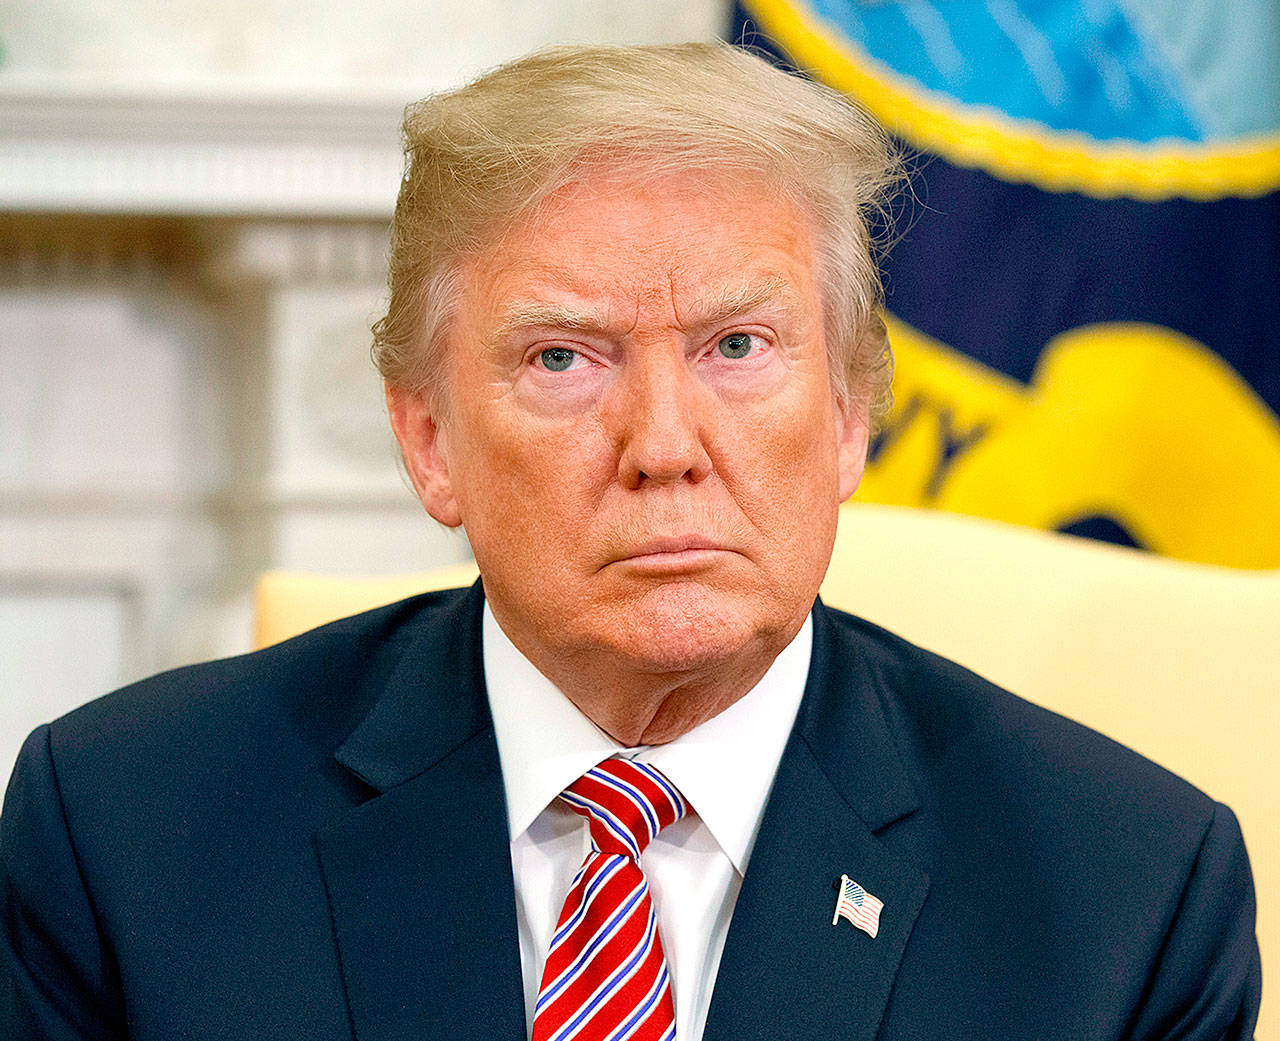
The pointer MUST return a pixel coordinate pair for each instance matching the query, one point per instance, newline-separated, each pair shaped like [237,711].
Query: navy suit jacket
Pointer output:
[311,842]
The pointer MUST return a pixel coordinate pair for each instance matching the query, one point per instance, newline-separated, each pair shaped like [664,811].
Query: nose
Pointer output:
[662,416]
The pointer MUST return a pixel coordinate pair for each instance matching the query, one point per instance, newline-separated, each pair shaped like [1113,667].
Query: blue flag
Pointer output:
[1084,299]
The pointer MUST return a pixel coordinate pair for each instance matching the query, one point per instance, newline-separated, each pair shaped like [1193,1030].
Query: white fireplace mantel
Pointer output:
[72,149]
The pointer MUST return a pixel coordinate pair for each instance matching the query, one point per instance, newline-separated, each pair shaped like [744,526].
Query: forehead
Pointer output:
[668,240]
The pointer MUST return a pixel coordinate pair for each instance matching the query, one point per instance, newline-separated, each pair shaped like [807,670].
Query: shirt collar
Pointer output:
[724,767]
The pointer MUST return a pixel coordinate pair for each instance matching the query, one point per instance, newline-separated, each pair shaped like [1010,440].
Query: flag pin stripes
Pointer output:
[858,906]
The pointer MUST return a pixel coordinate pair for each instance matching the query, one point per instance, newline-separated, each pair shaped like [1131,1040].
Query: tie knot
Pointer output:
[625,805]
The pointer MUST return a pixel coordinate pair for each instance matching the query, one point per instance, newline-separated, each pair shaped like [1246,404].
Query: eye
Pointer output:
[736,345]
[557,359]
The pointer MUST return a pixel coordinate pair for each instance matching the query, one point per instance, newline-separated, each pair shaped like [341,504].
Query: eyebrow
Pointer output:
[731,302]
[710,309]
[536,314]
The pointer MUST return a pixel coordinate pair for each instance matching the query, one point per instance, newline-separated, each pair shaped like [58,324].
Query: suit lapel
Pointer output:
[419,876]
[786,971]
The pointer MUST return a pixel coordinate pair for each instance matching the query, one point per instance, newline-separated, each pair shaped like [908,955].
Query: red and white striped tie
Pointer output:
[606,976]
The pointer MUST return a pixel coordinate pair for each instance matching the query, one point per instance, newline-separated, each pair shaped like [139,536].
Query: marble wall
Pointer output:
[193,208]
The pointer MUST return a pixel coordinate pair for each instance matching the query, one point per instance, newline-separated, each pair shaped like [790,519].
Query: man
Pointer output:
[632,347]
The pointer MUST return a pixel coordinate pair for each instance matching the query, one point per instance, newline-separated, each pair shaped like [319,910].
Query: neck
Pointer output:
[639,706]
[657,714]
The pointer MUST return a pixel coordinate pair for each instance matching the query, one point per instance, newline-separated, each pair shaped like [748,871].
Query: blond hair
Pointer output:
[478,157]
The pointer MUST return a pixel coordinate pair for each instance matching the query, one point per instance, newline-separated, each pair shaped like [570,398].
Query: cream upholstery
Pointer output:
[1180,661]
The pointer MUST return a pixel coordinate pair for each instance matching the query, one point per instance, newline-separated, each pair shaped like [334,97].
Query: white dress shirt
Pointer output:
[724,768]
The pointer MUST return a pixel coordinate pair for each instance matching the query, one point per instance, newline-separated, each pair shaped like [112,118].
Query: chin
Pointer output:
[682,627]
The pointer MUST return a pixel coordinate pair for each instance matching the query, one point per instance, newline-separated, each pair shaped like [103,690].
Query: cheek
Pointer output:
[792,447]
[531,475]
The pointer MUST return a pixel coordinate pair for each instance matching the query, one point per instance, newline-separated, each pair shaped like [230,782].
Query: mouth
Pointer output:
[674,554]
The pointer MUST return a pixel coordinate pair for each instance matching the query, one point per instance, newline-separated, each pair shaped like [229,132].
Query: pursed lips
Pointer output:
[673,553]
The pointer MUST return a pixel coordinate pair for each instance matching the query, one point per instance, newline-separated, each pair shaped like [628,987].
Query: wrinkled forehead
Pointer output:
[657,176]
[681,240]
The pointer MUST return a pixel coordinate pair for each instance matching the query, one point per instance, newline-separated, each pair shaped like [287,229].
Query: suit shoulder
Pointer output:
[316,686]
[973,732]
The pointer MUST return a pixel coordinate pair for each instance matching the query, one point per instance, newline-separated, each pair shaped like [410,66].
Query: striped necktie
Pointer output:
[606,975]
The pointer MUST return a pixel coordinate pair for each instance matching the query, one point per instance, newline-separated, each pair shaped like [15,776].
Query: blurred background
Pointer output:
[1084,286]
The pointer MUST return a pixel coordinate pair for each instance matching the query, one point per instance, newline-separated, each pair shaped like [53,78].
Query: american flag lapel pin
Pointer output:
[858,906]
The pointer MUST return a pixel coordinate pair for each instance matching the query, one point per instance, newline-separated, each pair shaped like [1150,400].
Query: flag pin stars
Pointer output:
[858,906]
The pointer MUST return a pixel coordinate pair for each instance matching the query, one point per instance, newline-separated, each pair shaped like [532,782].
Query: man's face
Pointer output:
[641,438]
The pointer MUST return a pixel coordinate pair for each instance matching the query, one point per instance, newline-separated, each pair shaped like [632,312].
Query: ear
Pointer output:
[423,447]
[853,435]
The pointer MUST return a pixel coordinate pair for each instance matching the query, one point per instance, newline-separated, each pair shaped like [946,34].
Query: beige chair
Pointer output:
[1180,661]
